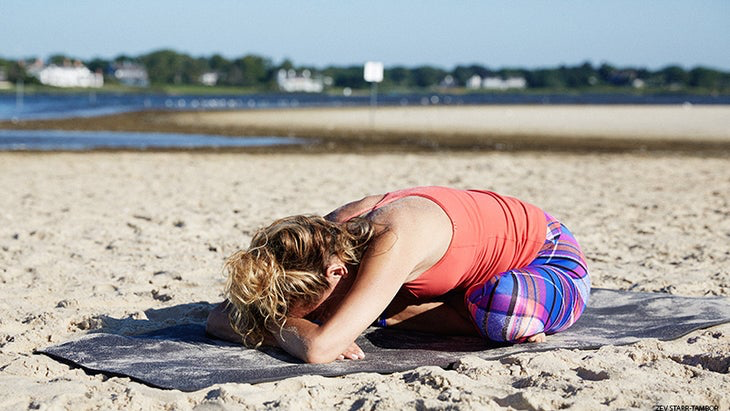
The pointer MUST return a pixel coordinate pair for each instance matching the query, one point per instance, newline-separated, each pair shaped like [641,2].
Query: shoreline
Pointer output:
[619,128]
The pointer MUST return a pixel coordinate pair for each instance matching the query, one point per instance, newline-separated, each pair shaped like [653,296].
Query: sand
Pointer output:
[128,242]
[620,121]
[113,241]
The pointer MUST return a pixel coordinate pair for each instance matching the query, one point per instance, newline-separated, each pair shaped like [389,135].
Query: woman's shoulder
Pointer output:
[412,211]
[416,227]
[354,208]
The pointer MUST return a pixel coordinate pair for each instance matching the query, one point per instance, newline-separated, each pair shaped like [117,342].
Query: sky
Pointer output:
[531,34]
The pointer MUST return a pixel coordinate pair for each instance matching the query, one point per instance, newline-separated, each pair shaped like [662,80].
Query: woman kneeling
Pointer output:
[432,259]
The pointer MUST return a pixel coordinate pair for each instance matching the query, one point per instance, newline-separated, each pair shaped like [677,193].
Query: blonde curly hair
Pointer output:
[285,266]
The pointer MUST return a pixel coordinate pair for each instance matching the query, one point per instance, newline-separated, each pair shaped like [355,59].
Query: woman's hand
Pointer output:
[353,352]
[296,338]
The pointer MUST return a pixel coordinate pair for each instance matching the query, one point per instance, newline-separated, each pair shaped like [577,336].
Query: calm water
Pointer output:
[45,106]
[45,140]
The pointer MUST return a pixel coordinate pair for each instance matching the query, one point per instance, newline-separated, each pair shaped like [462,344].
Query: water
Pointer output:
[65,105]
[46,140]
[68,105]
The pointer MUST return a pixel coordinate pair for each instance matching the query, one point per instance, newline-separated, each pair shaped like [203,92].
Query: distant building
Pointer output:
[290,81]
[622,77]
[4,83]
[131,74]
[638,83]
[209,79]
[474,82]
[76,75]
[498,83]
[495,83]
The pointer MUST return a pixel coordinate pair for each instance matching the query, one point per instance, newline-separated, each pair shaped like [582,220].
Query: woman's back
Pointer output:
[490,234]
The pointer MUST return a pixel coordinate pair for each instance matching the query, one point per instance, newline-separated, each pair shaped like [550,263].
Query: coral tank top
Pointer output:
[492,234]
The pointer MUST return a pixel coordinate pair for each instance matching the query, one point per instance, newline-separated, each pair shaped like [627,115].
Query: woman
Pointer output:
[428,258]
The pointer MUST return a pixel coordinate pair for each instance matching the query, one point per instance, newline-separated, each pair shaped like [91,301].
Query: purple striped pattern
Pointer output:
[546,296]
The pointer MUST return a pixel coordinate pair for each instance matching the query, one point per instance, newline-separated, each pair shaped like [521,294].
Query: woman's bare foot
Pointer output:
[537,338]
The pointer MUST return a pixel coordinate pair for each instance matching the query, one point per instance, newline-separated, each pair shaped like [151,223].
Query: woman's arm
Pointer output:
[219,324]
[411,245]
[377,282]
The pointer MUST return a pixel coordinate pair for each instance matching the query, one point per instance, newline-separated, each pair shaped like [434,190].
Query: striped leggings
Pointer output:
[546,296]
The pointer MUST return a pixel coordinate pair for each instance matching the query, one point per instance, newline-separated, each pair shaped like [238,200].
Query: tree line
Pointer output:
[168,67]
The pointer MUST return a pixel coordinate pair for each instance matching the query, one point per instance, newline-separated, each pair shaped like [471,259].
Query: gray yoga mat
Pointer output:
[182,357]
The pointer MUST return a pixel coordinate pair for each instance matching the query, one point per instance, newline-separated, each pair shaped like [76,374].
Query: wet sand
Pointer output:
[486,128]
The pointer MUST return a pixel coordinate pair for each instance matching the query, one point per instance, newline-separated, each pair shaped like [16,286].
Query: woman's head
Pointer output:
[286,267]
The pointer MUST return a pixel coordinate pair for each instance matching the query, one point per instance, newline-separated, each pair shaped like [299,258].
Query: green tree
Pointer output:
[59,59]
[674,75]
[161,66]
[351,76]
[252,70]
[606,72]
[706,78]
[581,76]
[545,78]
[123,57]
[398,76]
[286,65]
[166,66]
[15,71]
[219,63]
[427,76]
[98,64]
[193,68]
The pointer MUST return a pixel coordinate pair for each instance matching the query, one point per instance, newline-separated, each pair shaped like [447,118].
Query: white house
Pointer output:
[4,83]
[498,83]
[209,78]
[290,81]
[474,82]
[70,76]
[131,74]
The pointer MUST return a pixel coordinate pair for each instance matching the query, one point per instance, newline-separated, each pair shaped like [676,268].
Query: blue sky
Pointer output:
[647,33]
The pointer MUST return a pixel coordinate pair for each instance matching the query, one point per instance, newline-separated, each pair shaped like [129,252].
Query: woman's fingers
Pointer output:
[353,352]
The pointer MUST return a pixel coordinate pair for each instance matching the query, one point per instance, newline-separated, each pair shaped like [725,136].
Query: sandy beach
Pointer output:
[109,241]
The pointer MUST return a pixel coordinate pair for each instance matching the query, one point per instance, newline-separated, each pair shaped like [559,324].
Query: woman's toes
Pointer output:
[537,338]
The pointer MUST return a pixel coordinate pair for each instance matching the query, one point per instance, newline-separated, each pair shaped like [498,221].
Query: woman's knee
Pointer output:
[501,313]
